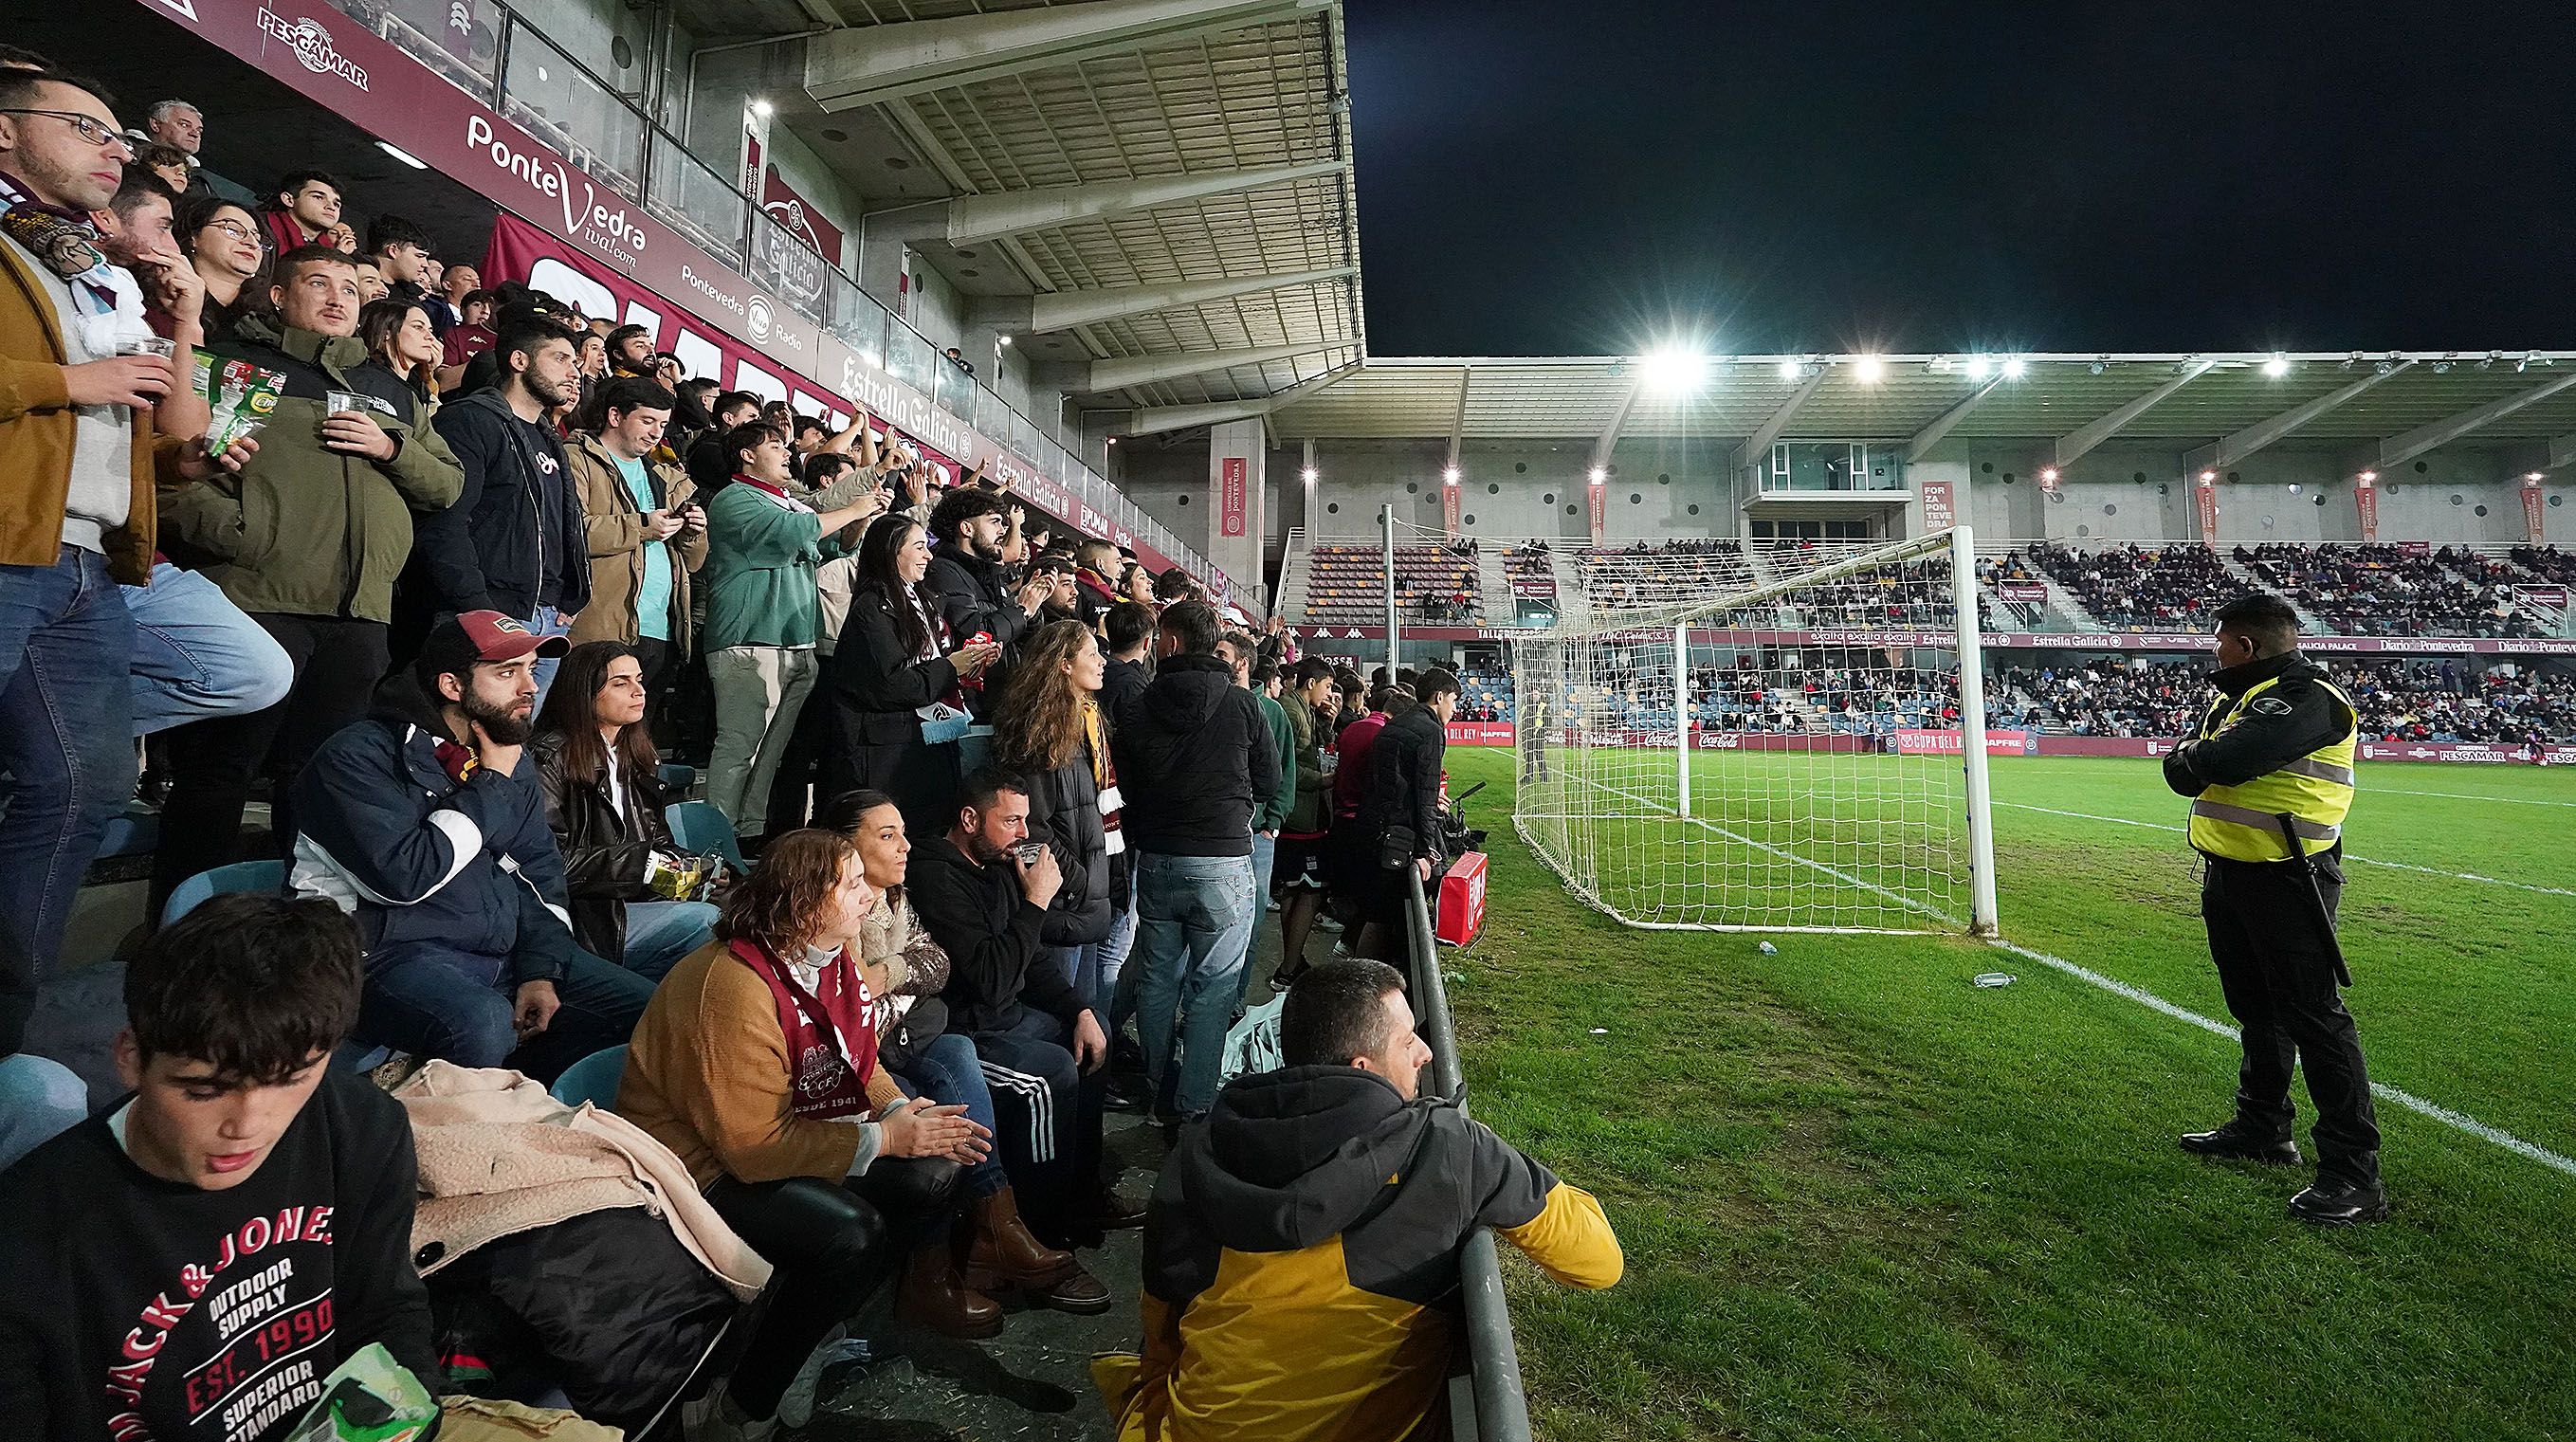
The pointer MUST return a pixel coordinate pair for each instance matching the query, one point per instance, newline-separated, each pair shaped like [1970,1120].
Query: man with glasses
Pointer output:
[80,373]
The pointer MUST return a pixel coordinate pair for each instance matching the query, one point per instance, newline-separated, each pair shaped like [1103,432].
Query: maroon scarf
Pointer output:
[831,1032]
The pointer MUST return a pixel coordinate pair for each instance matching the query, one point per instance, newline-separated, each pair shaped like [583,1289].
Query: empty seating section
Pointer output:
[2385,590]
[1434,586]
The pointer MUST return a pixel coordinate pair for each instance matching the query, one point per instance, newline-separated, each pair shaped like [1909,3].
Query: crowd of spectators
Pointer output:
[479,560]
[2142,588]
[2102,698]
[2395,590]
[1653,573]
[2399,699]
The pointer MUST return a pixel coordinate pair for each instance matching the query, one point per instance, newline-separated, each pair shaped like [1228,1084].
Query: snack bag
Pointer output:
[369,1398]
[240,394]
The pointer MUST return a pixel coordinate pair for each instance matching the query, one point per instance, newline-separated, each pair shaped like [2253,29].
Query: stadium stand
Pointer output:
[2142,588]
[2395,590]
[1435,586]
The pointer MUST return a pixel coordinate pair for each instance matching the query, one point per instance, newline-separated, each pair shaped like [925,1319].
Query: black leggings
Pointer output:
[831,1246]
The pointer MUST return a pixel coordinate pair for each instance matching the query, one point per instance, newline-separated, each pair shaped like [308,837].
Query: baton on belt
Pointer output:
[2316,895]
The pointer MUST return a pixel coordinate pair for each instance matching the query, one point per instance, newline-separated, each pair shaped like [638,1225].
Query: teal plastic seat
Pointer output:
[592,1079]
[701,826]
[197,890]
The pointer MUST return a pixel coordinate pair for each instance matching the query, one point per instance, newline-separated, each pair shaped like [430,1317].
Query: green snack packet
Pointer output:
[369,1398]
[241,396]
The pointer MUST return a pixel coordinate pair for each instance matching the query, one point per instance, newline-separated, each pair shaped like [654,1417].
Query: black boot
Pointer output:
[2338,1201]
[2241,1140]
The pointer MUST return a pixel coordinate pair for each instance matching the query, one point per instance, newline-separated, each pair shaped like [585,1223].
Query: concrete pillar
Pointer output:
[1237,491]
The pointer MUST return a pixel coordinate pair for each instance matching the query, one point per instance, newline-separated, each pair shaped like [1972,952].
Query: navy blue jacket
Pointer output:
[421,861]
[516,524]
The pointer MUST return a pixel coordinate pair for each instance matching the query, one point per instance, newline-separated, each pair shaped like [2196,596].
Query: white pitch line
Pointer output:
[2348,856]
[2469,796]
[2458,1121]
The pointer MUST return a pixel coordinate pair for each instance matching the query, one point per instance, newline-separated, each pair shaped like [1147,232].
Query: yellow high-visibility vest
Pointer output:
[2242,823]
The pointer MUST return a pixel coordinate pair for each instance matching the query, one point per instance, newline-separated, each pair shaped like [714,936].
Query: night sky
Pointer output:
[1580,178]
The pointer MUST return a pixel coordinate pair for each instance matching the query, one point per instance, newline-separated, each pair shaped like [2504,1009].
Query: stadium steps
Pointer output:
[1494,588]
[2068,612]
[1571,604]
[2254,582]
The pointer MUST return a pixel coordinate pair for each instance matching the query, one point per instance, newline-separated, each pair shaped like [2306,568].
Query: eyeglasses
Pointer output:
[92,129]
[247,234]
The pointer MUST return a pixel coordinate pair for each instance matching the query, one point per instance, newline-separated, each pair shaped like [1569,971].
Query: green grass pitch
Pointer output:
[1863,1198]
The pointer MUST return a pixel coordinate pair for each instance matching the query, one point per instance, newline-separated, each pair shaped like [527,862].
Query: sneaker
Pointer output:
[2240,1140]
[2337,1202]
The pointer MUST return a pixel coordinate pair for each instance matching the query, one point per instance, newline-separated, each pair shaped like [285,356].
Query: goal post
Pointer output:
[1765,737]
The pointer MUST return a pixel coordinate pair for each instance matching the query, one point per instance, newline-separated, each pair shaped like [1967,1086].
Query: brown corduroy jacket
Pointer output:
[615,530]
[36,429]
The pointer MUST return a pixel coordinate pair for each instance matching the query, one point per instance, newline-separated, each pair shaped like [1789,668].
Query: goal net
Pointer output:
[1725,735]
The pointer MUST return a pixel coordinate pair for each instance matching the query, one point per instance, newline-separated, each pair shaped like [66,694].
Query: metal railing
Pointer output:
[495,55]
[1494,1408]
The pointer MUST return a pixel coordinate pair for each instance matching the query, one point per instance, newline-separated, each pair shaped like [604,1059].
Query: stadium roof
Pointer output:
[2222,405]
[1057,149]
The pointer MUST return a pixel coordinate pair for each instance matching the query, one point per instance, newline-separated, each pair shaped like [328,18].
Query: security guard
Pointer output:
[2275,754]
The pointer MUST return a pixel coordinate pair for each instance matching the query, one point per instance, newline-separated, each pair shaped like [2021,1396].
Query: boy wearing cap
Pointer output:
[424,822]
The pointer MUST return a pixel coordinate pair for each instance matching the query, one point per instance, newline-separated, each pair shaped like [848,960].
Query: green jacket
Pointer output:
[1273,814]
[303,530]
[1312,815]
[759,575]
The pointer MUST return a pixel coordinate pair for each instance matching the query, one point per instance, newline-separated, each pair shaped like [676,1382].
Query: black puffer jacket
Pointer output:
[605,853]
[1404,784]
[1194,761]
[1064,808]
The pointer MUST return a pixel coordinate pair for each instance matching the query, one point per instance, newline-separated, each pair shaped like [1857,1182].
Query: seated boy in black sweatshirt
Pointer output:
[192,1265]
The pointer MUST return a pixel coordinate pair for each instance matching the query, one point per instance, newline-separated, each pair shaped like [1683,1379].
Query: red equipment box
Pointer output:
[1461,916]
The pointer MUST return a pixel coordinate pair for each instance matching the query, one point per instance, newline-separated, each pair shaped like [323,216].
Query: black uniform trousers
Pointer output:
[2279,980]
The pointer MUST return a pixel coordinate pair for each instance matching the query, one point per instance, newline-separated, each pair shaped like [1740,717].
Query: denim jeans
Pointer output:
[547,622]
[66,737]
[1110,961]
[949,1072]
[1194,917]
[659,933]
[39,1100]
[435,1003]
[196,655]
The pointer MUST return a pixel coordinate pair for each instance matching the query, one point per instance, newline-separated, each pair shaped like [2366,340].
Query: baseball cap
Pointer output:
[455,644]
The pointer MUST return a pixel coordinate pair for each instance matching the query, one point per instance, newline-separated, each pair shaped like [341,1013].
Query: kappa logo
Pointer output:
[312,46]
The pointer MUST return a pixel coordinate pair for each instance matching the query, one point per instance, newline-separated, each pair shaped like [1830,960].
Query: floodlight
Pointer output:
[1600,474]
[1006,340]
[1675,371]
[1978,366]
[2369,477]
[2208,476]
[2532,476]
[1869,369]
[2048,473]
[1311,475]
[762,108]
[1790,370]
[2014,366]
[1450,475]
[2277,367]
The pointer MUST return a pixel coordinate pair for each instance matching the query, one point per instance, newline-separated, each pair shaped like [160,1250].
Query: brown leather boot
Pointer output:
[1002,1252]
[933,1295]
